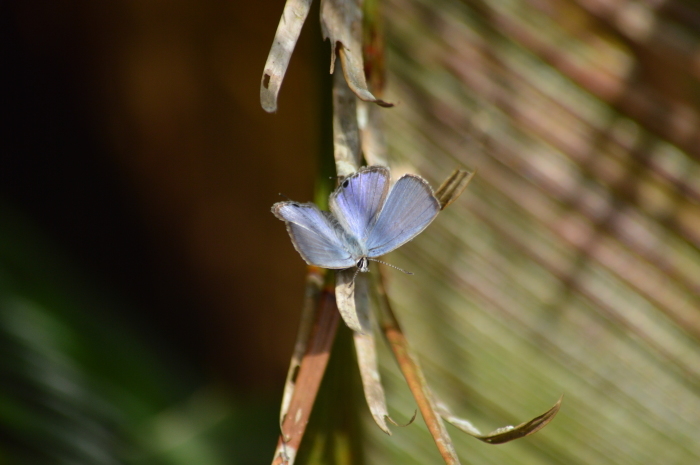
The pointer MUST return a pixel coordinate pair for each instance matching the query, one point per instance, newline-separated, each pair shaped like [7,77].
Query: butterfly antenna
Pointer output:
[357,270]
[389,264]
[282,195]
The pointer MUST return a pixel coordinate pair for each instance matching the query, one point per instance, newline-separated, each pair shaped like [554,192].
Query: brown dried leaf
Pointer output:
[453,187]
[353,70]
[367,358]
[314,282]
[341,22]
[505,434]
[288,30]
[308,380]
[353,302]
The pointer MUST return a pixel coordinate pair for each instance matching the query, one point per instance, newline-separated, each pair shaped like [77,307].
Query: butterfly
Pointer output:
[368,218]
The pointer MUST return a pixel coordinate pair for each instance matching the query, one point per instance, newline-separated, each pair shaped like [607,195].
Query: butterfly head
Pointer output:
[363,264]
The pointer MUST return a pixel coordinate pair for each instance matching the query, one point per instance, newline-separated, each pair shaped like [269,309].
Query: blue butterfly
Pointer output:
[368,219]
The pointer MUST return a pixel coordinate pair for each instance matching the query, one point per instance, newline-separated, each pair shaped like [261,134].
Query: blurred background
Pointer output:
[145,284]
[149,300]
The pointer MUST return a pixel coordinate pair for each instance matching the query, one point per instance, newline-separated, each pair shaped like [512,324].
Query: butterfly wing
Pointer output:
[410,207]
[316,236]
[359,198]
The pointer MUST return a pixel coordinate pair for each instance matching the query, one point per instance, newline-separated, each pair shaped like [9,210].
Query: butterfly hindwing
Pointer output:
[409,208]
[315,235]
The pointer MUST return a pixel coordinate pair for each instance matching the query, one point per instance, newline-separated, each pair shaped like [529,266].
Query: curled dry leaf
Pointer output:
[367,357]
[353,71]
[453,187]
[353,302]
[432,411]
[288,30]
[413,418]
[505,434]
[341,23]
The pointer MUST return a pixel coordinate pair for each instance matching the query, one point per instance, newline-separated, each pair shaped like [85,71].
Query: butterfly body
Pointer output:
[368,218]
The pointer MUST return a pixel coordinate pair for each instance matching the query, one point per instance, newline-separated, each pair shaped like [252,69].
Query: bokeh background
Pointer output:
[149,300]
[137,175]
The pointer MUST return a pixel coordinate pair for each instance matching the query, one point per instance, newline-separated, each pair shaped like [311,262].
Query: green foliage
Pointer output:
[78,385]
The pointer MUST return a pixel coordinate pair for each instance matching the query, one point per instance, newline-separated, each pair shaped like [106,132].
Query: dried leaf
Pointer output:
[505,434]
[314,282]
[311,370]
[408,363]
[288,30]
[453,187]
[341,22]
[346,137]
[411,420]
[352,305]
[367,357]
[345,298]
[353,70]
[371,381]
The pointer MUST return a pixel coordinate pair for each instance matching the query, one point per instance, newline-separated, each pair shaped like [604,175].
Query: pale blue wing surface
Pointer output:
[316,236]
[409,209]
[359,198]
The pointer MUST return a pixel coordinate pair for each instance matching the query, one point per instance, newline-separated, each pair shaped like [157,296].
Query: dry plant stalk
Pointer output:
[341,22]
[304,388]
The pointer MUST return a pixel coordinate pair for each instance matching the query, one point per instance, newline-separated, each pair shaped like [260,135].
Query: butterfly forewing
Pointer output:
[410,207]
[359,198]
[317,237]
